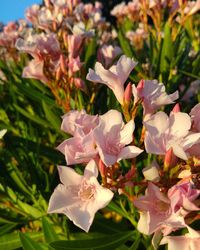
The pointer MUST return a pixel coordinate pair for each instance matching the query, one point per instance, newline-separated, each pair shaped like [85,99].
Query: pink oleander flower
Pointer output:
[32,14]
[35,70]
[114,77]
[153,95]
[165,212]
[74,120]
[120,10]
[79,197]
[163,133]
[195,116]
[107,54]
[111,137]
[41,47]
[189,241]
[80,148]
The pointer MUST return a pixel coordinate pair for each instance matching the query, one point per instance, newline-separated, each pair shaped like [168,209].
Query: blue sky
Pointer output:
[11,10]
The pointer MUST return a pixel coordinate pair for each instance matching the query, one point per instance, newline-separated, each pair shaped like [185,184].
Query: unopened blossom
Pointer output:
[107,54]
[189,241]
[153,95]
[114,77]
[112,136]
[163,133]
[74,45]
[79,197]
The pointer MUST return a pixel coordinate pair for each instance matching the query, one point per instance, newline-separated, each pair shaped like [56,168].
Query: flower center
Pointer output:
[161,206]
[87,191]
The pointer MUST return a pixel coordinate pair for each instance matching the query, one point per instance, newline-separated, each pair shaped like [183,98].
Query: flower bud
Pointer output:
[128,93]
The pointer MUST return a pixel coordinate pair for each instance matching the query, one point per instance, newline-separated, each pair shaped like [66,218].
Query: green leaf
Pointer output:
[6,228]
[49,232]
[34,94]
[90,53]
[124,44]
[102,243]
[31,117]
[136,242]
[12,241]
[28,243]
[167,50]
[51,116]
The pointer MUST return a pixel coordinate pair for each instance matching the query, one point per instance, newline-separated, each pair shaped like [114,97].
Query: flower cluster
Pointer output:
[171,200]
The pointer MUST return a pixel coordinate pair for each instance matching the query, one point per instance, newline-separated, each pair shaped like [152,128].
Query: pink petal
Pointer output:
[180,124]
[126,134]
[129,152]
[68,176]
[60,199]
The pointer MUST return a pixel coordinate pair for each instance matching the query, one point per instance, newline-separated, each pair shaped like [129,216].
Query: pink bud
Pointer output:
[79,83]
[62,64]
[168,158]
[128,93]
[140,85]
[176,108]
[102,168]
[58,74]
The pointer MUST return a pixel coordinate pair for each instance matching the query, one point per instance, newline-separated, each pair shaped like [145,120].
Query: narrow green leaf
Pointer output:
[12,241]
[136,242]
[51,116]
[33,118]
[90,53]
[167,50]
[28,243]
[34,94]
[125,45]
[189,74]
[49,232]
[102,243]
[6,228]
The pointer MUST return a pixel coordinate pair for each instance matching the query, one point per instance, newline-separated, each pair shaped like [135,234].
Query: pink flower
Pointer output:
[166,213]
[107,54]
[163,133]
[79,197]
[155,210]
[35,70]
[153,95]
[182,195]
[114,77]
[74,120]
[81,147]
[111,136]
[189,241]
[195,115]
